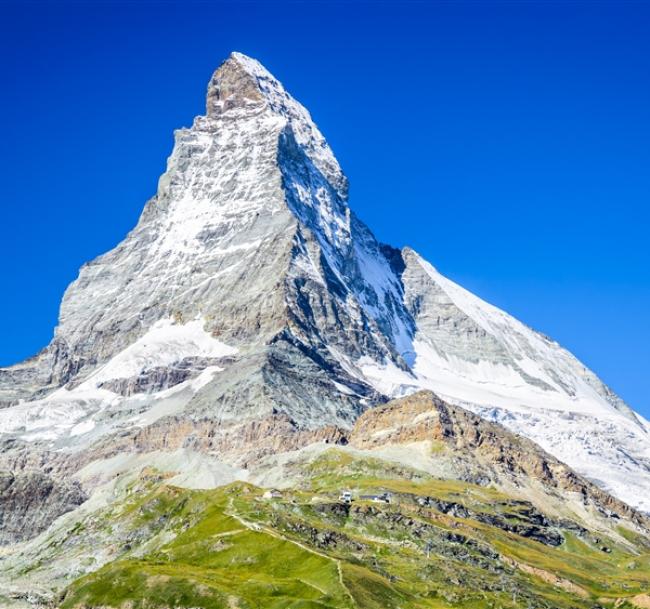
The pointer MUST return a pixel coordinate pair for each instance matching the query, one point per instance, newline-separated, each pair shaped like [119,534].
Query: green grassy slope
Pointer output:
[230,548]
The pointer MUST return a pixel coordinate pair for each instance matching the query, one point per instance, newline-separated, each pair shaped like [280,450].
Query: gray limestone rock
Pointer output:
[31,501]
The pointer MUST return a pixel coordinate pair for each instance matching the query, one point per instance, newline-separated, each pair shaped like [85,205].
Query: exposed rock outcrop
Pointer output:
[424,416]
[31,501]
[243,444]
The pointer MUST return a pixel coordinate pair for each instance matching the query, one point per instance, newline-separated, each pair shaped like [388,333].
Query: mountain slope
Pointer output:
[249,297]
[477,516]
[475,355]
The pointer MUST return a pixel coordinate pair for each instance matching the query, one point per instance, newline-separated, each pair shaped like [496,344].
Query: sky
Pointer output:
[508,143]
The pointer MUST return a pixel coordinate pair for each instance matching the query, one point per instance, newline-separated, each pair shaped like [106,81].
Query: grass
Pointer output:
[229,548]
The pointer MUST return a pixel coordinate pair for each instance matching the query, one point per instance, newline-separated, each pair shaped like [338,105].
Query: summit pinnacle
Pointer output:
[235,84]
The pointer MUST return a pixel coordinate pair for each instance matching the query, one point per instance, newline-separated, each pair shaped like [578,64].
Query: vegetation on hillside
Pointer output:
[439,543]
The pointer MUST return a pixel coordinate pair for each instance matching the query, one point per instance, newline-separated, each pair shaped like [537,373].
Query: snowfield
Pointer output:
[73,412]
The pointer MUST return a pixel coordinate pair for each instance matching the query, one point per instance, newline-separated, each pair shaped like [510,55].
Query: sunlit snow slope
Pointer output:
[473,354]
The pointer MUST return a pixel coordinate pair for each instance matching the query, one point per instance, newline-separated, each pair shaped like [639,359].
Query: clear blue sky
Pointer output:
[509,143]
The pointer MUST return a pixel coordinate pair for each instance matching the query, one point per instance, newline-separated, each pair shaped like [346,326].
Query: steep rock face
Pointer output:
[30,502]
[249,291]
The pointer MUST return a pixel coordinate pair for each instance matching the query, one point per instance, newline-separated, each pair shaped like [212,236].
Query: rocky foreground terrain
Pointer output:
[251,333]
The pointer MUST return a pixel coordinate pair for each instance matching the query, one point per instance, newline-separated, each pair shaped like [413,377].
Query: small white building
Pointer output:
[272,493]
[345,497]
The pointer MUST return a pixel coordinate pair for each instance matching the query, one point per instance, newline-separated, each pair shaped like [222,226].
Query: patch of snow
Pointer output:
[532,386]
[386,377]
[343,389]
[165,343]
[54,415]
[67,412]
[83,427]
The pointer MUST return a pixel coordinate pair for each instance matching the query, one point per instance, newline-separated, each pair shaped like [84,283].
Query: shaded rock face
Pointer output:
[250,235]
[30,502]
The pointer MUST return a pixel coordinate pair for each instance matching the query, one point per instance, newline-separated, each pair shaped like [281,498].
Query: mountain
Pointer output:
[250,312]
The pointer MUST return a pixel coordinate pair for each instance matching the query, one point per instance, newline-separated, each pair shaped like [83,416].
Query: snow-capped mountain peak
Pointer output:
[249,291]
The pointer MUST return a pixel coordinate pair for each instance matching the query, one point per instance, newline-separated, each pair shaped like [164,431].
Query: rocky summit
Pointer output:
[250,332]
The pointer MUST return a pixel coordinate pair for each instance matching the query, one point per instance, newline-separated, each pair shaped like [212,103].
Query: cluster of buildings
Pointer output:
[345,496]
